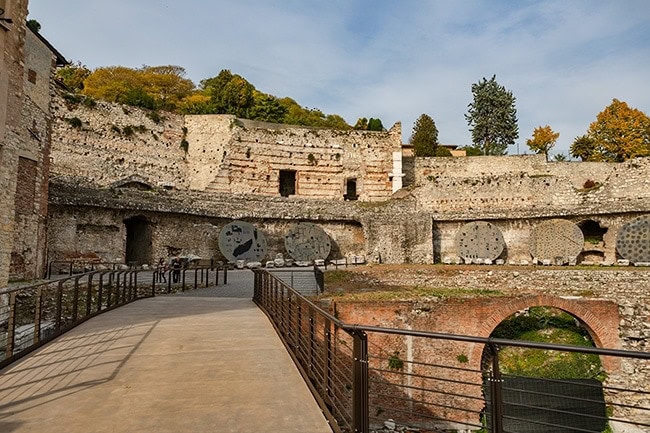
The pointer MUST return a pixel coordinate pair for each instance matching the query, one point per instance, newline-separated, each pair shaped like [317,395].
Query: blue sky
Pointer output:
[563,60]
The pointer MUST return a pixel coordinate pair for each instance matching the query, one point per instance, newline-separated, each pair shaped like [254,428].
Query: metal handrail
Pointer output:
[334,359]
[48,309]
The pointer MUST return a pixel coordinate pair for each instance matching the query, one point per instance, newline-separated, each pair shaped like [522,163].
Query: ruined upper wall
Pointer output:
[529,186]
[101,152]
[224,154]
[240,156]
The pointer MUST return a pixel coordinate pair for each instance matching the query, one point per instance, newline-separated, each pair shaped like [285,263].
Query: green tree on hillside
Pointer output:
[267,108]
[619,133]
[424,137]
[372,124]
[375,125]
[73,75]
[229,94]
[584,147]
[492,117]
[34,26]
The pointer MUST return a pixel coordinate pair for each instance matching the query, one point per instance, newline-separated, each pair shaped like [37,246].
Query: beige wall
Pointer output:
[11,90]
[225,154]
[28,253]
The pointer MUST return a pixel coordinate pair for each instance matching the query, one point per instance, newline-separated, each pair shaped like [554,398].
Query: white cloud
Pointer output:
[564,61]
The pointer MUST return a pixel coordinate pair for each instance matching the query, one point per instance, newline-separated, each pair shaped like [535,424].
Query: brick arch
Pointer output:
[604,333]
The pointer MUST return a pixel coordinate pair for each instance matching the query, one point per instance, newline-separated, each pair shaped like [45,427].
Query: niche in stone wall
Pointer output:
[287,183]
[594,243]
[592,231]
[350,189]
[138,240]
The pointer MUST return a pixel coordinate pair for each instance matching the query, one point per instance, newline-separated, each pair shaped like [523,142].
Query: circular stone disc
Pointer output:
[240,240]
[633,240]
[307,242]
[557,240]
[479,240]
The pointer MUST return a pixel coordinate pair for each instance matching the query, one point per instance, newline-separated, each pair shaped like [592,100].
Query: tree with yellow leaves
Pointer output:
[619,133]
[148,87]
[543,140]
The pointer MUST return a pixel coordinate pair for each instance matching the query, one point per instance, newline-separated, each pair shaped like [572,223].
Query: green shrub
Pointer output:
[394,362]
[185,145]
[154,116]
[75,122]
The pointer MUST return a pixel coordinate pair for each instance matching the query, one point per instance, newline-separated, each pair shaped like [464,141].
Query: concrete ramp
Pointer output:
[163,365]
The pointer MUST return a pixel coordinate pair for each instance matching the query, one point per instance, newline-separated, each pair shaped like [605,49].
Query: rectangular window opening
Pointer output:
[350,190]
[287,183]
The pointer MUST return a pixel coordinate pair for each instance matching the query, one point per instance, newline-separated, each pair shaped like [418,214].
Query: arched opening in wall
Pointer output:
[542,389]
[136,185]
[138,240]
[350,189]
[592,232]
[287,183]
[594,248]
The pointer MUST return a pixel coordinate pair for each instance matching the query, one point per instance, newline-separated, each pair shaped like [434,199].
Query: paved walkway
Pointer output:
[169,364]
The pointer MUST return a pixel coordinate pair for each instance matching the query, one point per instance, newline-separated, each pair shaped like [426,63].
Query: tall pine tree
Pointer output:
[425,136]
[492,117]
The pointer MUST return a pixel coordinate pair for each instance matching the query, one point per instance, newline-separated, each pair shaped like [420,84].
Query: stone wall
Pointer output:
[224,154]
[117,144]
[12,56]
[28,254]
[91,223]
[612,304]
[240,156]
[470,188]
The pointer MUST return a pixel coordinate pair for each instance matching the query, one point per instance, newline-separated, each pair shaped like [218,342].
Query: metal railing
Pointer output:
[364,376]
[81,266]
[310,281]
[172,280]
[31,316]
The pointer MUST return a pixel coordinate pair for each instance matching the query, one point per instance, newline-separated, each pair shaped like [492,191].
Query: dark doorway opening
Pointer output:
[350,190]
[138,241]
[592,231]
[287,183]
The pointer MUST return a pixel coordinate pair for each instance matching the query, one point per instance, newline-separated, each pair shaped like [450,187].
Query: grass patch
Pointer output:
[547,325]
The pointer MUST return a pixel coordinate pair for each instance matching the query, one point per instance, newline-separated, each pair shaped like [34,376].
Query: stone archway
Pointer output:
[138,240]
[600,322]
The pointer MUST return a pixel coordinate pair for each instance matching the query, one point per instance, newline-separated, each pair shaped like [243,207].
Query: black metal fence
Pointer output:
[173,280]
[30,316]
[33,315]
[365,376]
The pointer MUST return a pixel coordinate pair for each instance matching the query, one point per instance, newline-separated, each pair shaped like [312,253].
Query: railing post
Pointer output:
[225,275]
[496,408]
[312,341]
[89,294]
[75,300]
[38,312]
[11,326]
[59,304]
[360,410]
[216,276]
[100,294]
[327,360]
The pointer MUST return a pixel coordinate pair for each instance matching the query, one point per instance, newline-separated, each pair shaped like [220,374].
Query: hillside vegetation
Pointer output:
[167,88]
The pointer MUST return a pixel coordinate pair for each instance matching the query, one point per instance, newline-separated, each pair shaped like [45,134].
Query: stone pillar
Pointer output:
[397,173]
